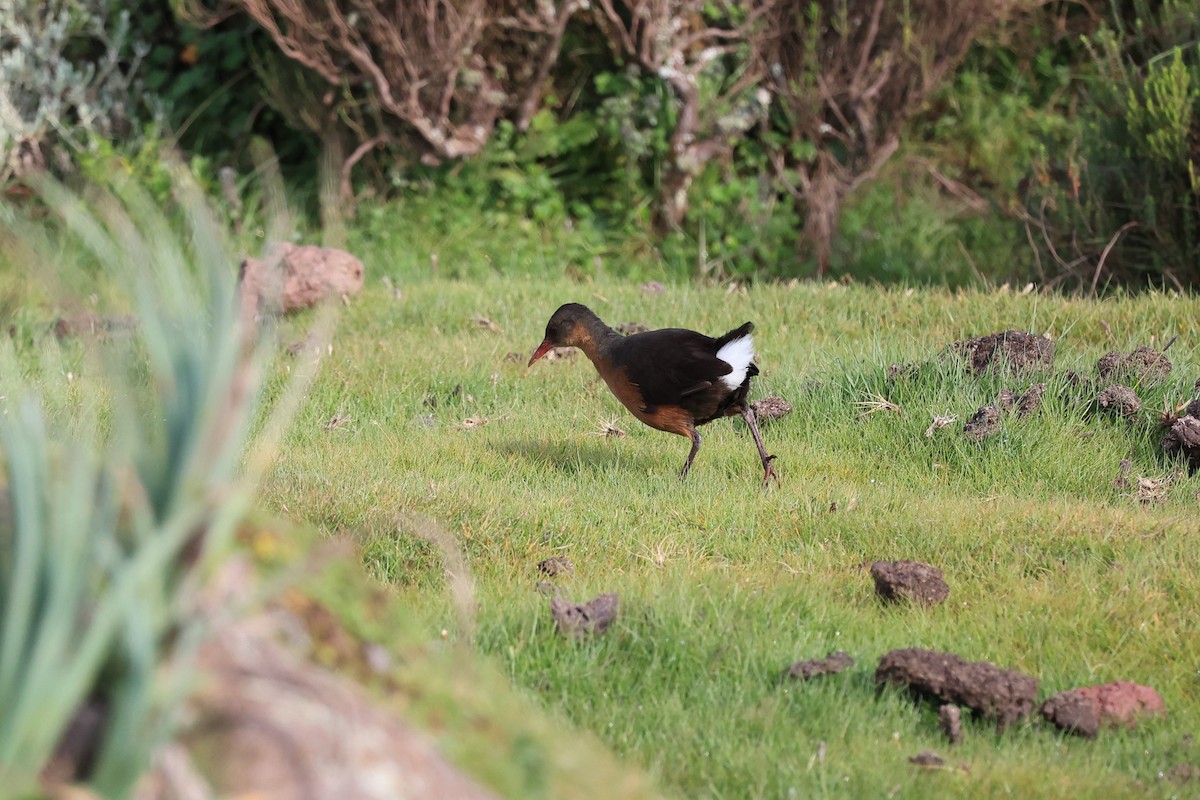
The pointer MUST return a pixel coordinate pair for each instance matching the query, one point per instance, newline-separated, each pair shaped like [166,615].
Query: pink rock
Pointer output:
[297,276]
[1123,702]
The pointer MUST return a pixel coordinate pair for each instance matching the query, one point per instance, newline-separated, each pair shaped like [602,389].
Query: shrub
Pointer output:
[68,77]
[1122,201]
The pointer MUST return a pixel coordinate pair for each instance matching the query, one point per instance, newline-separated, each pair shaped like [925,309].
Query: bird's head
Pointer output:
[567,328]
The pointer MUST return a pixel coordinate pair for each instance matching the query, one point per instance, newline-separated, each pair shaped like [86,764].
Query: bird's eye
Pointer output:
[551,332]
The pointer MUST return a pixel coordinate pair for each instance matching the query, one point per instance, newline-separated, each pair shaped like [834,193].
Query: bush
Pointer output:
[1122,201]
[68,77]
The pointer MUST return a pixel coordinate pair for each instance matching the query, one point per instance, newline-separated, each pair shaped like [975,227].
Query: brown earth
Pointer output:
[909,582]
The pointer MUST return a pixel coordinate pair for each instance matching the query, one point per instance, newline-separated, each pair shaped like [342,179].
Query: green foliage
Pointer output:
[124,481]
[1126,190]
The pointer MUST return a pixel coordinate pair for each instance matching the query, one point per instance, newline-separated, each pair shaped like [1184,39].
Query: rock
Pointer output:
[1144,366]
[984,423]
[1183,438]
[950,718]
[909,581]
[555,566]
[297,276]
[771,408]
[829,665]
[1073,713]
[1120,401]
[1014,351]
[988,690]
[594,617]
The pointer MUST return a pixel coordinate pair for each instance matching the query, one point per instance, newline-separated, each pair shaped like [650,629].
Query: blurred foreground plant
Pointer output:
[113,514]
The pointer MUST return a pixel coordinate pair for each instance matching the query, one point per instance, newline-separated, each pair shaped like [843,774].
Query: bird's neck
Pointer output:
[596,339]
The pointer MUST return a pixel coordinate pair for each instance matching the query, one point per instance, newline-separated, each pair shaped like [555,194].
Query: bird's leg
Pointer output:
[695,437]
[768,468]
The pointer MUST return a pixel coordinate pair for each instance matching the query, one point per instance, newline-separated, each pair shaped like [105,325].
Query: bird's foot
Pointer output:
[769,471]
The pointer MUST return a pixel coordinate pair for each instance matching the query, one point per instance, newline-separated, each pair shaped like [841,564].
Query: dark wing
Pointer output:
[670,365]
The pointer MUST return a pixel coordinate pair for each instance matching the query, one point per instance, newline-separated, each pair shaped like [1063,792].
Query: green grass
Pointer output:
[1053,570]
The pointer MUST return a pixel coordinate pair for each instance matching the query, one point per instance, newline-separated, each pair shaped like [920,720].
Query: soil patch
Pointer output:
[910,582]
[831,664]
[1002,694]
[1015,351]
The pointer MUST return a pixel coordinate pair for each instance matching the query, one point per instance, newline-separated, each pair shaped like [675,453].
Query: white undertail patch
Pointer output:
[737,354]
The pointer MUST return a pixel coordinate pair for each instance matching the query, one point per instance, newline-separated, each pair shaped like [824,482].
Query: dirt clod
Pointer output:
[1183,438]
[1144,366]
[1005,400]
[560,354]
[592,617]
[927,759]
[909,581]
[555,566]
[1123,702]
[984,423]
[771,408]
[1117,704]
[1182,773]
[1005,695]
[829,665]
[950,718]
[1029,401]
[1193,409]
[901,371]
[92,325]
[630,328]
[1122,479]
[1016,351]
[1120,401]
[1073,713]
[293,276]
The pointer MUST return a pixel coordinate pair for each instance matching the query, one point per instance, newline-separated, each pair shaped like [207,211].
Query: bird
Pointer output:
[671,379]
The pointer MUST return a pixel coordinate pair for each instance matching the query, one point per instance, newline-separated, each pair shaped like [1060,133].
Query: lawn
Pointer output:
[425,418]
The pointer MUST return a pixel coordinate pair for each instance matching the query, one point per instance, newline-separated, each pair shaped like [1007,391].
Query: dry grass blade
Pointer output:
[940,421]
[480,321]
[609,430]
[876,403]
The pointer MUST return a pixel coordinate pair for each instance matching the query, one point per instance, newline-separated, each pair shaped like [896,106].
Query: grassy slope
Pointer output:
[1053,570]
